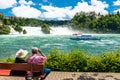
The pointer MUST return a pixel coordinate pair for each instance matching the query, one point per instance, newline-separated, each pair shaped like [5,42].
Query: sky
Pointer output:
[56,9]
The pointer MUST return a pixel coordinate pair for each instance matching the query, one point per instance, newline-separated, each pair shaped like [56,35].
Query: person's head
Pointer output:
[34,50]
[21,53]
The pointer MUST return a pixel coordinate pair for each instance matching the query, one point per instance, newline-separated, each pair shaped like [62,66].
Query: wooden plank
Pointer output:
[21,66]
[14,66]
[5,66]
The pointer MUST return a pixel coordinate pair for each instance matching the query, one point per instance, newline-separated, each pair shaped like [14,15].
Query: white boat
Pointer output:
[85,37]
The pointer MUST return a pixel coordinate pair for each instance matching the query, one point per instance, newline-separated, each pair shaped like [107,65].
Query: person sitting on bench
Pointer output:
[19,59]
[35,59]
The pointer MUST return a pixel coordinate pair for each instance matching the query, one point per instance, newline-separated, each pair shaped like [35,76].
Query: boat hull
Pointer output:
[85,38]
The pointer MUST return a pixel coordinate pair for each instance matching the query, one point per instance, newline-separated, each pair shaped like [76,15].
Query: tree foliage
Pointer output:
[98,23]
[4,29]
[18,28]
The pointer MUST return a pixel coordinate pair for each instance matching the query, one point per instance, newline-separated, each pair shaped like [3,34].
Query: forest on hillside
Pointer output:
[97,23]
[81,21]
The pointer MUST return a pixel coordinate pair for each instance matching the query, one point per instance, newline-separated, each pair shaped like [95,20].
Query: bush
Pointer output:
[78,60]
[56,60]
[94,64]
[62,61]
[8,60]
[111,61]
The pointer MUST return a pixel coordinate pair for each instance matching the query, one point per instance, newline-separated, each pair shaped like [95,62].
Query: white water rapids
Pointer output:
[37,31]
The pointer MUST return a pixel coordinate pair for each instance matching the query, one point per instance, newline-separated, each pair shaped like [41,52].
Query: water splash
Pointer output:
[33,30]
[62,31]
[12,31]
[59,30]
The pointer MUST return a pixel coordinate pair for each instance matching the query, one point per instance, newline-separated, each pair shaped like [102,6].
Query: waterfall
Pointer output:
[33,30]
[59,30]
[12,31]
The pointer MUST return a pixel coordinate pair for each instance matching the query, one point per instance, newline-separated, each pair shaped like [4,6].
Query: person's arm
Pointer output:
[42,53]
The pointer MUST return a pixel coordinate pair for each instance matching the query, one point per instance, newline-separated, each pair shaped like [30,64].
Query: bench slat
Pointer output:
[21,66]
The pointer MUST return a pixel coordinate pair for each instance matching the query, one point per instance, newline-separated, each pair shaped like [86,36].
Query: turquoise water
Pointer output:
[9,44]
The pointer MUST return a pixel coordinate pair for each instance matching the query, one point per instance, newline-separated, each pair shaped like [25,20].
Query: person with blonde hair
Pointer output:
[20,54]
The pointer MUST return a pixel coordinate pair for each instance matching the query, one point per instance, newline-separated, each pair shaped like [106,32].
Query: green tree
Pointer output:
[6,22]
[4,29]
[98,23]
[18,28]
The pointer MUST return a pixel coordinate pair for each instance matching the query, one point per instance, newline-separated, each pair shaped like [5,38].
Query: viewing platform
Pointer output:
[55,75]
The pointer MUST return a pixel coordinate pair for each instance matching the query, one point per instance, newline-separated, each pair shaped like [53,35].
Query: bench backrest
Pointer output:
[21,66]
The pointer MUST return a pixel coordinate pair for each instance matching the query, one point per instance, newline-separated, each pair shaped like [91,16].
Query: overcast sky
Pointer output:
[56,9]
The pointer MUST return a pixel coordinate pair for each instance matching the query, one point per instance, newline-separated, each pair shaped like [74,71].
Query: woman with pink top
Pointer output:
[36,59]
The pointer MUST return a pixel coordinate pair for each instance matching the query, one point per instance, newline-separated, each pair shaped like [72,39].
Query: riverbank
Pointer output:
[55,75]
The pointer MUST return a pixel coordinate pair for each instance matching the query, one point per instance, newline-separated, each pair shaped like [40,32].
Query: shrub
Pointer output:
[56,60]
[94,64]
[8,60]
[111,61]
[78,60]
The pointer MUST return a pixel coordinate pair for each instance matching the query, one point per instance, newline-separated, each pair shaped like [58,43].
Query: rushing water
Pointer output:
[9,44]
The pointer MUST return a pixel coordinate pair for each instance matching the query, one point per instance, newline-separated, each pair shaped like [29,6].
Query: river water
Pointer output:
[9,44]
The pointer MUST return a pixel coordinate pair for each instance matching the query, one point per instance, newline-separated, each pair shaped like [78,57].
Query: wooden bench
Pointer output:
[5,69]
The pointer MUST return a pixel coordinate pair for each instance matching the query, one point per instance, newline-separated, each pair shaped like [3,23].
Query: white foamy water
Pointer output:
[61,31]
[33,30]
[37,31]
[13,31]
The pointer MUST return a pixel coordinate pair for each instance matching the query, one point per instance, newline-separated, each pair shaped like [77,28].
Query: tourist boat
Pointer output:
[85,37]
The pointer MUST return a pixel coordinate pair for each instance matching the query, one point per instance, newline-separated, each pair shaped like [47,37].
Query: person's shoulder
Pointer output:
[20,60]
